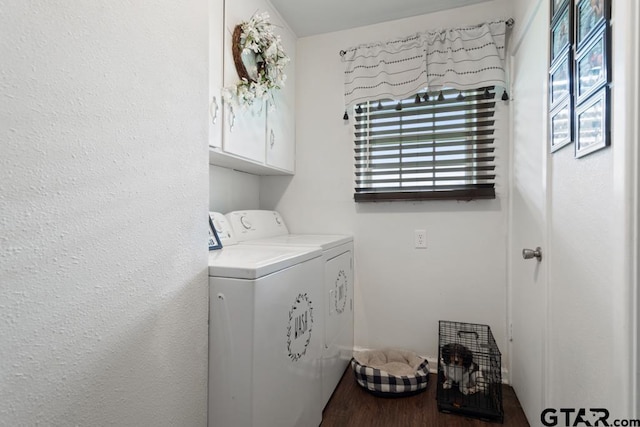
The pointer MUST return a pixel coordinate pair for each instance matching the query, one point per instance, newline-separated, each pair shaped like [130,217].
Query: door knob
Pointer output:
[531,253]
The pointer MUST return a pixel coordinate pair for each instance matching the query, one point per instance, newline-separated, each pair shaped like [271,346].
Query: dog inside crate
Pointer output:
[459,367]
[469,371]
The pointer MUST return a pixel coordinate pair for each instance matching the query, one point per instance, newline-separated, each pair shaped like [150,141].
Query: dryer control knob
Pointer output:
[245,222]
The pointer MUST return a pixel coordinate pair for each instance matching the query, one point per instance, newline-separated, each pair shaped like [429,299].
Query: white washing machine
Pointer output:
[265,334]
[262,227]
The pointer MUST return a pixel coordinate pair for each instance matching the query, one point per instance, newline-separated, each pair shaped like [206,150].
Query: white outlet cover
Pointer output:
[420,239]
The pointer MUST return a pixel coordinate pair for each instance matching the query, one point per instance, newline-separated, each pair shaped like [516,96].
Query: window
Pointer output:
[440,148]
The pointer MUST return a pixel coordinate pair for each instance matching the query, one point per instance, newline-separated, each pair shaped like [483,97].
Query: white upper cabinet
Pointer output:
[259,139]
[244,131]
[244,128]
[281,130]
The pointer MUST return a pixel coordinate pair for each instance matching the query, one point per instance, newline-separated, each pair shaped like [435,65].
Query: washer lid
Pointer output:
[254,261]
[325,241]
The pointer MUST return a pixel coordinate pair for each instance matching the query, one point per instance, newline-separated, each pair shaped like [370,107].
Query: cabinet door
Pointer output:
[244,128]
[216,43]
[281,132]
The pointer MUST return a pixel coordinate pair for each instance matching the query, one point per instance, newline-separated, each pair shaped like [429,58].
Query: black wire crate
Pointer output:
[469,371]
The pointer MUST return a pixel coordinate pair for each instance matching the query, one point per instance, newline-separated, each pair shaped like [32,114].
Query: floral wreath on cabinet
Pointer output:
[259,59]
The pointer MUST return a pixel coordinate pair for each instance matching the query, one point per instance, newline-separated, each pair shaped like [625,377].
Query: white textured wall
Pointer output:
[231,190]
[590,289]
[401,292]
[103,200]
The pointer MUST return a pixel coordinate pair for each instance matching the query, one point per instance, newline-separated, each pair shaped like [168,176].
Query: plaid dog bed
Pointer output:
[384,384]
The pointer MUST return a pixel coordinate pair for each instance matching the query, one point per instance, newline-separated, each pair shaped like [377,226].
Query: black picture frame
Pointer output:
[561,126]
[591,66]
[556,6]
[560,80]
[560,34]
[592,122]
[589,16]
[214,240]
[579,44]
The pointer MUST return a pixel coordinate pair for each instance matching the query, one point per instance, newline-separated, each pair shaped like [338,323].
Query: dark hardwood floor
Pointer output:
[352,406]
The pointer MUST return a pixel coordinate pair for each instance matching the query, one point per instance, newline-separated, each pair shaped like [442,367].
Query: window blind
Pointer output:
[417,149]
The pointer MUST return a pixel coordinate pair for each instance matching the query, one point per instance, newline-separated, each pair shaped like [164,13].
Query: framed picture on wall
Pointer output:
[560,34]
[556,5]
[580,71]
[560,80]
[560,128]
[592,123]
[591,66]
[589,15]
[214,240]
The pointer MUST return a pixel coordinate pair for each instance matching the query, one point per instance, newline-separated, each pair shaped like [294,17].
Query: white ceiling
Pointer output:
[310,17]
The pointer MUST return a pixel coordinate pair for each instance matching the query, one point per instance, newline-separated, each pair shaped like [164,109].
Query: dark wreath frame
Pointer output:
[237,56]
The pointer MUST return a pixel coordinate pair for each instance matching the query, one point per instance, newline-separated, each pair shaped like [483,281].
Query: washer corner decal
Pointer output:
[340,293]
[299,327]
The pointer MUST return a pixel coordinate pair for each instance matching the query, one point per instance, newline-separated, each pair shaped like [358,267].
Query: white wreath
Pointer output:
[257,36]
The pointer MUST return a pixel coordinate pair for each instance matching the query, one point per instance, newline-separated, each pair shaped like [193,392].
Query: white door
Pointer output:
[528,278]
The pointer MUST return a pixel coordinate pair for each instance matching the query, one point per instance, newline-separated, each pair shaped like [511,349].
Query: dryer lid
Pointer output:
[254,261]
[325,241]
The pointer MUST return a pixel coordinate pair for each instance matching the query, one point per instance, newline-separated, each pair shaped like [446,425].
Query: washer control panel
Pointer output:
[256,224]
[223,228]
[245,222]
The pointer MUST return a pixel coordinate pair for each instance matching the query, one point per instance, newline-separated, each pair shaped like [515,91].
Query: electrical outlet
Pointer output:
[420,239]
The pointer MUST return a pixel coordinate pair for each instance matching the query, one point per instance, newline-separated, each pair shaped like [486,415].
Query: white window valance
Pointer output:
[459,58]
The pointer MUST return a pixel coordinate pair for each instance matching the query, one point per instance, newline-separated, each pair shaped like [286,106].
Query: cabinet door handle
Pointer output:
[232,118]
[272,138]
[213,110]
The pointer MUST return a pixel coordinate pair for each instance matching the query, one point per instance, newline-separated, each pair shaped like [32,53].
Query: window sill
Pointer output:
[464,195]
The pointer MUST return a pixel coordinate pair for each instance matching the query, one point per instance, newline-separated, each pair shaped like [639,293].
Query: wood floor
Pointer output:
[352,406]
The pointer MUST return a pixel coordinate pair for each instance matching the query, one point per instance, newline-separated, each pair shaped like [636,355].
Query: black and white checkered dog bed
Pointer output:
[391,373]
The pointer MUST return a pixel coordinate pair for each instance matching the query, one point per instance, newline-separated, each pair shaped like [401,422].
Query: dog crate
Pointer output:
[469,371]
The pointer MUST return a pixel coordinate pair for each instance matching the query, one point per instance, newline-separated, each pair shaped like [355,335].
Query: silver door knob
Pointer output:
[531,253]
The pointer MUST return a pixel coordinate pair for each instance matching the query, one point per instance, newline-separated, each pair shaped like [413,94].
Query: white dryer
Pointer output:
[262,227]
[265,339]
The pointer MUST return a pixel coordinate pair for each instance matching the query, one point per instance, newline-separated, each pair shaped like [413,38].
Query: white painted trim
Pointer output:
[509,260]
[634,139]
[546,239]
[626,111]
[518,38]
